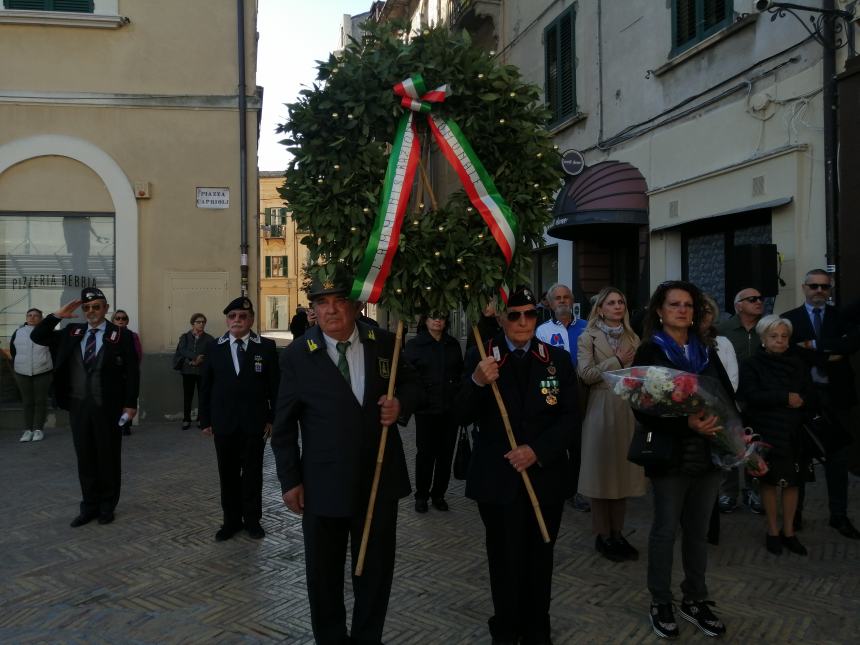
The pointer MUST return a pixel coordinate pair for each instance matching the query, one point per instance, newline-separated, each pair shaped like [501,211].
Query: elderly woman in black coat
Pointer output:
[437,357]
[776,392]
[685,485]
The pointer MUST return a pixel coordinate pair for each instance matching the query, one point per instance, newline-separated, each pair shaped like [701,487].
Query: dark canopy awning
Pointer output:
[610,192]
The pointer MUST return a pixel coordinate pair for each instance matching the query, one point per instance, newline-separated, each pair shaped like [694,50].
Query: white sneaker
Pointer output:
[38,435]
[27,436]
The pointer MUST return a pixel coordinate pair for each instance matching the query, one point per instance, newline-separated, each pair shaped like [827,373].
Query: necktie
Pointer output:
[816,322]
[90,347]
[519,353]
[240,352]
[342,364]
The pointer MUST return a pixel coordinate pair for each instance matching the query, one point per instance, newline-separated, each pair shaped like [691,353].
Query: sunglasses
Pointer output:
[120,318]
[237,315]
[92,307]
[514,316]
[752,299]
[818,285]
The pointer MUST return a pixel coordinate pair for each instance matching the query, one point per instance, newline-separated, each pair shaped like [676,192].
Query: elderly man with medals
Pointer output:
[537,384]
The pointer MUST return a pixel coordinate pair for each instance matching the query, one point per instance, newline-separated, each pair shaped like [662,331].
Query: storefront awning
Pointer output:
[610,192]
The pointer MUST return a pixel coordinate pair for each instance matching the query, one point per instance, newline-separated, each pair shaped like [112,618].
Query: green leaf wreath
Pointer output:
[338,132]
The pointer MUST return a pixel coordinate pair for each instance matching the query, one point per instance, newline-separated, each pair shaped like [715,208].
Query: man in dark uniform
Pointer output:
[334,382]
[237,405]
[96,378]
[824,338]
[537,385]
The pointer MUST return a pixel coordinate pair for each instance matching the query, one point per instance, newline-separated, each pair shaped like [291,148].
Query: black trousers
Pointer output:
[189,383]
[520,569]
[98,447]
[240,469]
[435,439]
[325,557]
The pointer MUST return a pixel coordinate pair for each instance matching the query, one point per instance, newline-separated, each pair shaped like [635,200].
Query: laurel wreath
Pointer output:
[337,134]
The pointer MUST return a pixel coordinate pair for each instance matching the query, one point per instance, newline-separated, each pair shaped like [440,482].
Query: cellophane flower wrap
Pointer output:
[667,392]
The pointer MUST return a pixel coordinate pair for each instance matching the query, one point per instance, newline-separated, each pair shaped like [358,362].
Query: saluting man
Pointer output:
[96,378]
[334,382]
[237,405]
[536,382]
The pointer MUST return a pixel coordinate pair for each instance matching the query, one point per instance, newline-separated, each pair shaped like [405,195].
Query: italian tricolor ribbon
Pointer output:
[397,187]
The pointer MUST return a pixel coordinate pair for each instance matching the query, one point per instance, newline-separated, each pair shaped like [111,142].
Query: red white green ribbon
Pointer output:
[397,187]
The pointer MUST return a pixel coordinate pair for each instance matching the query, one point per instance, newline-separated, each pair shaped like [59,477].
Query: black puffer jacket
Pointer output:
[765,381]
[691,452]
[440,365]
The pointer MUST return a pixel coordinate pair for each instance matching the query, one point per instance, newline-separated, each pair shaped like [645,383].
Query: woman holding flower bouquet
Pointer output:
[686,483]
[776,392]
[608,343]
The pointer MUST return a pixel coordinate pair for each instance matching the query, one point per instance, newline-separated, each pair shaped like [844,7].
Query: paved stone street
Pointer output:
[157,576]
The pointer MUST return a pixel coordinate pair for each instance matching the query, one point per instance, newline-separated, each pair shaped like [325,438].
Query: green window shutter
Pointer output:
[560,66]
[76,6]
[283,212]
[716,12]
[268,266]
[684,22]
[695,20]
[267,216]
[551,68]
[284,272]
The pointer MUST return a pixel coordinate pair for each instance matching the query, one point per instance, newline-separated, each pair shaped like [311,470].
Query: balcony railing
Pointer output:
[272,230]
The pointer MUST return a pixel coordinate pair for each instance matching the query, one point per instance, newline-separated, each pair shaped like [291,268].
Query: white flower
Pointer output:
[658,383]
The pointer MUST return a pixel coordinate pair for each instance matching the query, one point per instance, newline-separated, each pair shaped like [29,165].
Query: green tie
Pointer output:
[342,365]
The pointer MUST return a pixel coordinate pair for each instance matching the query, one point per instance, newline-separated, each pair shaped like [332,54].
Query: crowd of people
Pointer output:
[546,427]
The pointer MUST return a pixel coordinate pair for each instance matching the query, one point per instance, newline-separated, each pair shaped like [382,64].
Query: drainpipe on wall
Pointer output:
[831,185]
[243,152]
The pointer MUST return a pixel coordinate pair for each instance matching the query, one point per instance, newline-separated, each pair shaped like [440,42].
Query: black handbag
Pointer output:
[823,436]
[649,448]
[462,455]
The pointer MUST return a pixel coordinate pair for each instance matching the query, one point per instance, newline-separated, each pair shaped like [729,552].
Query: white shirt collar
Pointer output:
[353,338]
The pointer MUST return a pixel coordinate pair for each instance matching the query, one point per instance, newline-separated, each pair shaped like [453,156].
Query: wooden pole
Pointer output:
[426,181]
[512,440]
[380,454]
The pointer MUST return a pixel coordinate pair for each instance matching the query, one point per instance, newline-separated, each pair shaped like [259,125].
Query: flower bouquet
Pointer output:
[667,392]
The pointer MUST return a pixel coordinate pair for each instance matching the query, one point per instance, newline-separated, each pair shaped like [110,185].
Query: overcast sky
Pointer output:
[293,34]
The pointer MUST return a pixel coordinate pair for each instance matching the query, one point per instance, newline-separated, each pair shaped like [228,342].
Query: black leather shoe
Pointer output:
[773,543]
[440,504]
[608,549]
[792,544]
[256,531]
[226,532]
[845,527]
[421,505]
[106,518]
[82,519]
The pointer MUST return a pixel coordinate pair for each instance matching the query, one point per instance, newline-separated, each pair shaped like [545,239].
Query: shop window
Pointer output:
[276,266]
[560,66]
[71,6]
[695,20]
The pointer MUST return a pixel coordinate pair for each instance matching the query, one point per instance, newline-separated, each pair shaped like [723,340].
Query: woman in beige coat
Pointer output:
[608,343]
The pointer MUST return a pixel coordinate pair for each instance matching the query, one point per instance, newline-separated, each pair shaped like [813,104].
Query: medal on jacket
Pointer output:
[550,369]
[77,331]
[384,367]
[551,400]
[258,363]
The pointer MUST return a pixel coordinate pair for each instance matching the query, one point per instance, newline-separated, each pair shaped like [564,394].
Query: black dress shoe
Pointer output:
[226,532]
[773,543]
[256,531]
[82,519]
[106,518]
[609,549]
[845,527]
[440,504]
[421,505]
[792,544]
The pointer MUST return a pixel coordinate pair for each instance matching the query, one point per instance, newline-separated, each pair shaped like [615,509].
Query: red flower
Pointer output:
[631,384]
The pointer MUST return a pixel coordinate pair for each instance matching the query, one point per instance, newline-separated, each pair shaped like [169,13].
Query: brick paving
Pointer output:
[157,576]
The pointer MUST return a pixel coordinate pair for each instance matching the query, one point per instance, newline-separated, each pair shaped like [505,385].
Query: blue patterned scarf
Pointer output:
[694,360]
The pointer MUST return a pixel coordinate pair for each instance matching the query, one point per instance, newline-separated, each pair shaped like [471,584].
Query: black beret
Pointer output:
[241,303]
[91,293]
[522,296]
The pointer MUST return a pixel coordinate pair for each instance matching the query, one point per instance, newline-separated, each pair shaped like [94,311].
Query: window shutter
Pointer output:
[268,216]
[685,21]
[283,212]
[81,6]
[284,266]
[76,6]
[567,77]
[268,266]
[551,69]
[716,11]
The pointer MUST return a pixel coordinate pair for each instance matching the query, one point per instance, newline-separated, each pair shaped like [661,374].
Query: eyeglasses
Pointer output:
[823,286]
[121,318]
[237,315]
[199,322]
[96,306]
[752,299]
[530,314]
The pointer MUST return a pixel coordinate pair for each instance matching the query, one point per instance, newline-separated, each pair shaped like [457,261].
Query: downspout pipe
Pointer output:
[830,100]
[243,148]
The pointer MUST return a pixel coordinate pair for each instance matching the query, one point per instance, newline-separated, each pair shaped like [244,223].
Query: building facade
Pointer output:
[123,144]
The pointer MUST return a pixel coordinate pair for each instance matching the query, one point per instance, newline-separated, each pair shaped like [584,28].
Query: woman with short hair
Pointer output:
[190,354]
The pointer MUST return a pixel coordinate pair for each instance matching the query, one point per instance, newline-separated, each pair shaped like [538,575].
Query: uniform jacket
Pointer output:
[339,435]
[440,366]
[544,421]
[837,337]
[243,402]
[691,452]
[120,373]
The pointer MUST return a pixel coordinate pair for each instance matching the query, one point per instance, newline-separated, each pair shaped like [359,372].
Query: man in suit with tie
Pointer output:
[334,381]
[538,386]
[237,405]
[96,378]
[824,338]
